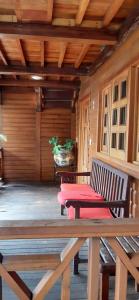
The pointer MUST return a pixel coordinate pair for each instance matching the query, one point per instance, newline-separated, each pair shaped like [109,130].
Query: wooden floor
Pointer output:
[24,202]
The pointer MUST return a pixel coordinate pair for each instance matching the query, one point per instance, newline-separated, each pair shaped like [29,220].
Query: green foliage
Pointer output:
[68,145]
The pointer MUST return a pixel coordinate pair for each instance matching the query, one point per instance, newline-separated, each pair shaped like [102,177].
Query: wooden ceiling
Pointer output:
[61,40]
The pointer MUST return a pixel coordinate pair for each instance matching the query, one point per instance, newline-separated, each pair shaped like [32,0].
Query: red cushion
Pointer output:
[90,213]
[65,187]
[89,196]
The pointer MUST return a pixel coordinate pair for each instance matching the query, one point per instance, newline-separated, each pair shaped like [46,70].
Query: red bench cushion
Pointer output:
[88,196]
[90,213]
[65,187]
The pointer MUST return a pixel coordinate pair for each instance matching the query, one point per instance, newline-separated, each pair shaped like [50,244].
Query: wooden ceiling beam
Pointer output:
[50,69]
[81,11]
[81,56]
[42,45]
[50,4]
[3,56]
[41,83]
[130,25]
[46,32]
[18,10]
[22,54]
[112,11]
[62,54]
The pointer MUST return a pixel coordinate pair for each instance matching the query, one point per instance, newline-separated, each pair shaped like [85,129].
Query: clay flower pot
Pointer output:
[64,158]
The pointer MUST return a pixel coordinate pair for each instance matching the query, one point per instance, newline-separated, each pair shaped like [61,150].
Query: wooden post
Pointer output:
[38,133]
[65,288]
[121,280]
[93,269]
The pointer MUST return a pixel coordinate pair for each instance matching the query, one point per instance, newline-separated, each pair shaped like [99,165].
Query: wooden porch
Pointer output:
[39,202]
[68,69]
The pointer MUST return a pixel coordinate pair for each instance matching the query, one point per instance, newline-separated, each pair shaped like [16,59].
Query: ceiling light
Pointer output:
[36,77]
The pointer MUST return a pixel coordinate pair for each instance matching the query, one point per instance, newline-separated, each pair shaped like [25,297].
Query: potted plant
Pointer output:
[63,155]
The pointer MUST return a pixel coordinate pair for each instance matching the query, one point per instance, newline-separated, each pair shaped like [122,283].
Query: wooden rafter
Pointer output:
[3,56]
[62,54]
[50,69]
[18,11]
[50,4]
[42,53]
[81,11]
[41,83]
[130,24]
[112,11]
[22,54]
[48,32]
[81,56]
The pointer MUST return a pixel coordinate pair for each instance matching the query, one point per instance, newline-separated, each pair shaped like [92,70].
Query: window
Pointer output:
[114,116]
[106,98]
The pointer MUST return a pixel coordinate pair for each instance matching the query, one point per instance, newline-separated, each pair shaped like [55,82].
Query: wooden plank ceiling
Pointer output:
[60,40]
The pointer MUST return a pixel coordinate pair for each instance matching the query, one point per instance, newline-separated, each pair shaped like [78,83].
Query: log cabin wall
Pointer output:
[126,57]
[27,153]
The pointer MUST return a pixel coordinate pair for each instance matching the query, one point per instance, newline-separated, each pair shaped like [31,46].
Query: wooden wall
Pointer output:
[125,56]
[54,122]
[27,153]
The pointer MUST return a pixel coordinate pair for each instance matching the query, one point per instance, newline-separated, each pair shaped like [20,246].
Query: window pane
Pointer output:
[123,115]
[115,93]
[105,139]
[114,117]
[123,89]
[121,141]
[114,140]
[106,100]
[105,120]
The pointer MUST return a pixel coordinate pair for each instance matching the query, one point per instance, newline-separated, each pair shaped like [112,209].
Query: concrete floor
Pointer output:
[27,201]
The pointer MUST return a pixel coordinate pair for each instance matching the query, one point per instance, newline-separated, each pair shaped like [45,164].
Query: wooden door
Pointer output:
[84,135]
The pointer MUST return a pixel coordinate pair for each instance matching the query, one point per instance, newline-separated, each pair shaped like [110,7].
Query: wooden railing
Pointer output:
[78,231]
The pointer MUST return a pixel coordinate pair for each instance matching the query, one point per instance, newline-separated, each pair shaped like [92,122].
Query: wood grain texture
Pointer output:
[112,11]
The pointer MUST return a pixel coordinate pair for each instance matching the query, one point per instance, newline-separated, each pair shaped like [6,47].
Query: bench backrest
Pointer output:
[112,184]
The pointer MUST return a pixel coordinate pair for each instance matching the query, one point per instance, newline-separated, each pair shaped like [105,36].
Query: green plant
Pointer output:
[68,145]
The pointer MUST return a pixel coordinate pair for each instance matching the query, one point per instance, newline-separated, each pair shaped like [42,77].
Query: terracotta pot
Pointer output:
[64,158]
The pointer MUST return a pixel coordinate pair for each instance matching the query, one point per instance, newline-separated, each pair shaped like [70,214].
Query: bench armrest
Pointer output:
[72,174]
[95,204]
[66,176]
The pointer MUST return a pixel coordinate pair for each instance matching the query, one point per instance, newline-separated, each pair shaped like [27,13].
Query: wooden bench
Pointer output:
[108,259]
[113,185]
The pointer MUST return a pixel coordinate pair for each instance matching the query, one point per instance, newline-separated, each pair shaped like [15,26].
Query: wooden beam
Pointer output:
[130,25]
[50,4]
[19,44]
[42,53]
[81,11]
[81,56]
[62,54]
[50,69]
[112,11]
[48,32]
[18,11]
[3,56]
[40,83]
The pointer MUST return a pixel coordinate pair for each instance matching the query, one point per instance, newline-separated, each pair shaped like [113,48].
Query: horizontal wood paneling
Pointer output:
[19,127]
[54,122]
[27,153]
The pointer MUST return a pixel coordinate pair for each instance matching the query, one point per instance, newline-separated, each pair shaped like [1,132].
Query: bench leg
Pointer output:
[62,210]
[105,286]
[76,263]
